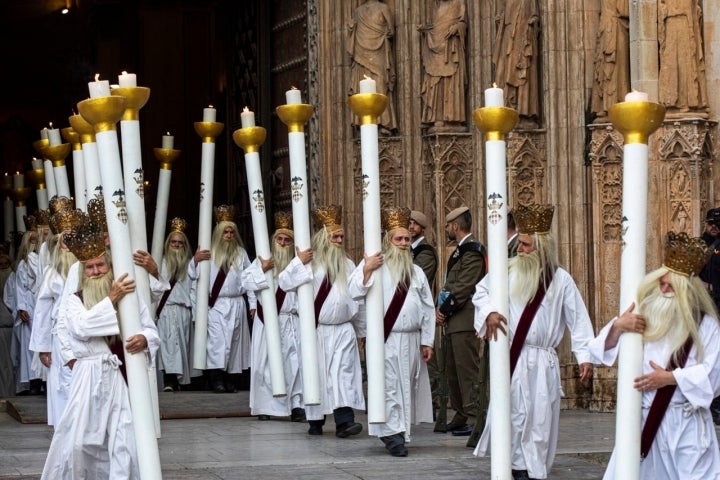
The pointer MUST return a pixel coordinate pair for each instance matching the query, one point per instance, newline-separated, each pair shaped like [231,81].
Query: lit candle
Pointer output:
[44,134]
[37,164]
[636,96]
[168,141]
[494,97]
[54,136]
[18,180]
[247,118]
[7,180]
[209,114]
[293,96]
[368,85]
[127,79]
[99,88]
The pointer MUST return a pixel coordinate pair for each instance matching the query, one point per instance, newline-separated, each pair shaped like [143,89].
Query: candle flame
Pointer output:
[210,106]
[50,126]
[293,88]
[167,133]
[124,72]
[366,77]
[97,77]
[17,173]
[245,110]
[494,85]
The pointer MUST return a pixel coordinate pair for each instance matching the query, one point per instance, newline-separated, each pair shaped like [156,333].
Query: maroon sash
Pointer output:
[526,319]
[661,401]
[217,286]
[279,299]
[395,306]
[320,298]
[164,298]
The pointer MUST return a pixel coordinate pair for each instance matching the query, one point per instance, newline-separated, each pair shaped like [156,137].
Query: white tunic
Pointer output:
[7,316]
[686,446]
[26,287]
[408,399]
[95,437]
[340,325]
[534,422]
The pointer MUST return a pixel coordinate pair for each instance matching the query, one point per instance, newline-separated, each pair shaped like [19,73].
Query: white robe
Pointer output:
[686,446]
[95,437]
[26,287]
[340,325]
[535,388]
[408,399]
[7,315]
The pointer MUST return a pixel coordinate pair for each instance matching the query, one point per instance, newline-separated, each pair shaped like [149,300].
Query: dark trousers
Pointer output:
[342,416]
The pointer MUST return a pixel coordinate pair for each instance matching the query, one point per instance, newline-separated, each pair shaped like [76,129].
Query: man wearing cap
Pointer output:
[681,366]
[544,301]
[424,255]
[465,268]
[409,325]
[710,274]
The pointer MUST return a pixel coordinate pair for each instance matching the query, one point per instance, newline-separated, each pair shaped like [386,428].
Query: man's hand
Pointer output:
[372,263]
[145,260]
[266,264]
[439,317]
[24,316]
[658,378]
[201,255]
[586,371]
[136,343]
[46,358]
[495,322]
[305,256]
[630,322]
[427,353]
[121,287]
[71,363]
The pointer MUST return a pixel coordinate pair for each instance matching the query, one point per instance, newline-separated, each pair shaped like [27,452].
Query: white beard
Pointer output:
[282,257]
[399,263]
[527,277]
[176,263]
[94,290]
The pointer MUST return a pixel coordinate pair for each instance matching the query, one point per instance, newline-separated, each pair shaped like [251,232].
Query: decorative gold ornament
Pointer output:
[685,255]
[329,216]
[66,220]
[20,195]
[30,222]
[636,120]
[42,218]
[103,113]
[395,217]
[208,131]
[57,153]
[86,241]
[96,212]
[224,213]
[533,218]
[496,122]
[38,145]
[83,128]
[284,223]
[368,106]
[72,137]
[295,115]
[58,204]
[166,156]
[136,98]
[250,138]
[37,177]
[178,224]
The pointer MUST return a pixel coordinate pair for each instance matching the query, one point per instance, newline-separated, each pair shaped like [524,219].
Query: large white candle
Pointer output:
[168,141]
[37,164]
[209,114]
[54,136]
[293,96]
[7,180]
[494,97]
[44,134]
[50,179]
[368,85]
[247,118]
[79,180]
[18,180]
[635,96]
[127,80]
[99,88]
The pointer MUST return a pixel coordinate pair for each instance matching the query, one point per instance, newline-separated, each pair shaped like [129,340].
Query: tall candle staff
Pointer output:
[37,178]
[73,138]
[368,106]
[57,151]
[295,114]
[20,193]
[208,130]
[496,120]
[93,182]
[636,118]
[250,138]
[166,156]
[103,111]
[39,146]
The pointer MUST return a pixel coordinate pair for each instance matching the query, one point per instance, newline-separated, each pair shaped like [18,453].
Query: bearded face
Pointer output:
[96,281]
[283,251]
[526,277]
[328,254]
[177,256]
[397,256]
[225,246]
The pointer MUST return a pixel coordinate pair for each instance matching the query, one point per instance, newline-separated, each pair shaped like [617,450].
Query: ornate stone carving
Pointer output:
[526,152]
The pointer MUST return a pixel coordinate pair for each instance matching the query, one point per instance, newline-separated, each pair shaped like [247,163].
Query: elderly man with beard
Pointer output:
[228,339]
[95,436]
[544,301]
[174,310]
[339,325]
[681,367]
[290,272]
[7,375]
[409,331]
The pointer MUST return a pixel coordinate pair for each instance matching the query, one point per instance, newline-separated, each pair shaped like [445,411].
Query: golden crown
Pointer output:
[395,217]
[66,220]
[30,223]
[96,212]
[42,217]
[87,241]
[60,203]
[224,213]
[178,224]
[533,218]
[284,223]
[685,255]
[329,216]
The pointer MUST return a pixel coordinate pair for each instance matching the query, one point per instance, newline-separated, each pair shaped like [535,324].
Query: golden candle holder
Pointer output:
[636,120]
[496,122]
[57,153]
[103,113]
[72,137]
[166,156]
[136,97]
[20,195]
[209,131]
[83,128]
[37,177]
[250,138]
[368,106]
[38,145]
[295,115]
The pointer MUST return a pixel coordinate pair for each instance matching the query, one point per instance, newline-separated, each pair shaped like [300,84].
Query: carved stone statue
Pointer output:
[516,57]
[682,62]
[612,57]
[371,54]
[445,77]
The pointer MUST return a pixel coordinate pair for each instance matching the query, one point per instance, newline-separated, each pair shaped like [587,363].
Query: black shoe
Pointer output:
[297,415]
[398,450]
[263,418]
[347,429]
[463,431]
[230,387]
[315,430]
[451,427]
[218,387]
[520,475]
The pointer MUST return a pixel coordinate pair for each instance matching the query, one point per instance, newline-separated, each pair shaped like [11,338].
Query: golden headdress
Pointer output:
[533,218]
[685,255]
[284,223]
[96,212]
[66,220]
[178,224]
[329,216]
[87,241]
[42,217]
[60,203]
[224,213]
[30,222]
[395,217]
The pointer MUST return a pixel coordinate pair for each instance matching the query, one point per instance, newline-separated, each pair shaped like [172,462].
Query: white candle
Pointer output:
[209,114]
[168,141]
[293,96]
[99,88]
[54,136]
[636,96]
[368,85]
[7,180]
[18,180]
[36,164]
[494,97]
[247,118]
[127,79]
[44,134]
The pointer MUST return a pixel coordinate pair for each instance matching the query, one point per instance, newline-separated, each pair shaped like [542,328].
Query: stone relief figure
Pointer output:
[682,62]
[371,54]
[612,57]
[516,57]
[445,77]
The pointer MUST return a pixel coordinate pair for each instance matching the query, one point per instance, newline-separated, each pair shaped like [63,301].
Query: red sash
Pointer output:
[661,401]
[217,286]
[279,299]
[526,319]
[395,306]
[320,298]
[164,298]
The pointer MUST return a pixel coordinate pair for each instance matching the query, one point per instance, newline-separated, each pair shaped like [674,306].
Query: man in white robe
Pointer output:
[535,389]
[7,307]
[674,312]
[410,337]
